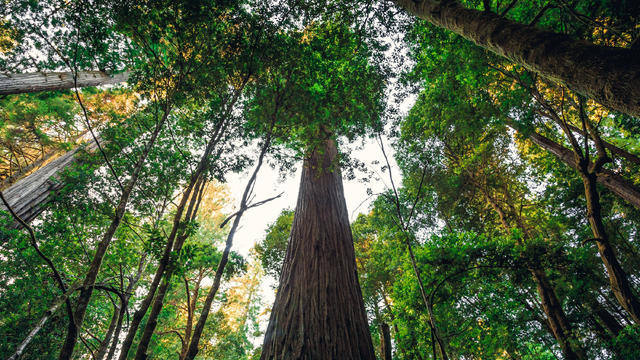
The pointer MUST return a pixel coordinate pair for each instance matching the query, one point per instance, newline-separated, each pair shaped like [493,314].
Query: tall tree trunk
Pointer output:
[612,181]
[557,320]
[124,304]
[40,81]
[609,75]
[318,311]
[158,301]
[168,249]
[604,318]
[90,278]
[191,310]
[617,277]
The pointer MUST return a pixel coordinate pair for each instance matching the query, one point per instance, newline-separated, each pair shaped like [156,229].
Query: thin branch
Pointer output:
[509,7]
[248,207]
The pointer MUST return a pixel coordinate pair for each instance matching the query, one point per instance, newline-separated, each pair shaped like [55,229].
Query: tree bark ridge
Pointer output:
[319,312]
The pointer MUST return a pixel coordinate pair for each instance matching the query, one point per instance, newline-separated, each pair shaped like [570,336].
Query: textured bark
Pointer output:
[612,181]
[318,311]
[609,75]
[29,195]
[88,283]
[40,81]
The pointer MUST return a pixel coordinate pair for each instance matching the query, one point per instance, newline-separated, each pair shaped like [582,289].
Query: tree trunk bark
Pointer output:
[557,320]
[158,301]
[609,75]
[168,249]
[142,264]
[318,311]
[28,195]
[104,345]
[40,81]
[48,314]
[88,283]
[605,318]
[617,277]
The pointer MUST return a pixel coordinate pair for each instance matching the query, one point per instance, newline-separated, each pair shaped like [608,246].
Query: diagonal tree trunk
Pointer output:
[612,181]
[40,81]
[28,195]
[609,75]
[620,284]
[318,311]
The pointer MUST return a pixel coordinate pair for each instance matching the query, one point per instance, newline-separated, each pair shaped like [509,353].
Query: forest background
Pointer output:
[490,151]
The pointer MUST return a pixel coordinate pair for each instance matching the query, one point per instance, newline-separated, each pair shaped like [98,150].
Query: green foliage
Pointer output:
[272,249]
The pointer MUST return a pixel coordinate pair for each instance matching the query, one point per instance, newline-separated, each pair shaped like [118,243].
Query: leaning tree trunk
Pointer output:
[609,75]
[318,311]
[28,195]
[557,321]
[612,181]
[40,81]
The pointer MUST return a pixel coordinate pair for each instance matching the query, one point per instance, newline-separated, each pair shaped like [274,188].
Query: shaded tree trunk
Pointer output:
[557,320]
[40,81]
[192,301]
[206,307]
[385,341]
[113,324]
[161,292]
[318,311]
[617,277]
[169,246]
[605,319]
[609,75]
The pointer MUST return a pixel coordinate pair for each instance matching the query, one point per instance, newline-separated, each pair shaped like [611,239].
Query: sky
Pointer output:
[255,222]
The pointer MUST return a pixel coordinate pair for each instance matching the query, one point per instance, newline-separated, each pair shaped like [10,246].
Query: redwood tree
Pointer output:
[324,87]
